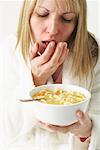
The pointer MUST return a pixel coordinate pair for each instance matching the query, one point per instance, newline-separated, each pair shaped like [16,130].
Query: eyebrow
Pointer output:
[65,13]
[44,8]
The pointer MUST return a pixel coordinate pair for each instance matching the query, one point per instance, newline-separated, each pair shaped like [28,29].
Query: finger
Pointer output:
[63,129]
[41,122]
[33,52]
[87,119]
[64,55]
[57,53]
[74,126]
[81,117]
[48,52]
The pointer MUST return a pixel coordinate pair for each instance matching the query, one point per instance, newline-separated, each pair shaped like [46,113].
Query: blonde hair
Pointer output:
[81,42]
[24,34]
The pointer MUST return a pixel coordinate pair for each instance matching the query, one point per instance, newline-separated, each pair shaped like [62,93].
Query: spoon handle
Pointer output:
[28,100]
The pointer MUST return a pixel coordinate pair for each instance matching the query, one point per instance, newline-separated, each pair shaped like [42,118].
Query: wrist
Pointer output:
[87,136]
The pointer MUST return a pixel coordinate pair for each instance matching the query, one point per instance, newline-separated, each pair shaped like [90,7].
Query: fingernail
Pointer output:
[52,43]
[79,114]
[39,53]
[61,45]
[65,45]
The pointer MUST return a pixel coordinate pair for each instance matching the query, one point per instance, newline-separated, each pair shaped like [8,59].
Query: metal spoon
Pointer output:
[28,100]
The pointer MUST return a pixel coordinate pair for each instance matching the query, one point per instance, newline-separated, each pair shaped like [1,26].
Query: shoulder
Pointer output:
[94,46]
[97,49]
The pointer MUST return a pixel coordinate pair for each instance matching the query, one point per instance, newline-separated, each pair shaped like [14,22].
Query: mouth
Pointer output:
[46,43]
[43,45]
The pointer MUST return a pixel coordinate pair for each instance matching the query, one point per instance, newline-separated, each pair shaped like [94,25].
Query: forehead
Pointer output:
[59,5]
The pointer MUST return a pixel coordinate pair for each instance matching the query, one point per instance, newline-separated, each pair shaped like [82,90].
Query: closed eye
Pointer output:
[42,15]
[66,20]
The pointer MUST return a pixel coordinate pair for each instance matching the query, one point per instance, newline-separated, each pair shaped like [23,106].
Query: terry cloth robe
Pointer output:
[19,130]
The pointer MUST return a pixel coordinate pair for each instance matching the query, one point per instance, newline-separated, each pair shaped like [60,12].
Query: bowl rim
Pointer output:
[61,85]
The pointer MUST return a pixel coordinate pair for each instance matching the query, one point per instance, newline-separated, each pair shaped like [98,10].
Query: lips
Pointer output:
[43,45]
[47,42]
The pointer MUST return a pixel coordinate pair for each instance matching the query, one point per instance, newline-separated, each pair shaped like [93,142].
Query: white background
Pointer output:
[9,12]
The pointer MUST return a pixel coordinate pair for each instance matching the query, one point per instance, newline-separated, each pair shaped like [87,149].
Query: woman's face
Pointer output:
[50,23]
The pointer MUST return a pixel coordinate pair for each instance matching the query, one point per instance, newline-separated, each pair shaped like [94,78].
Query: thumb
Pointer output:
[81,116]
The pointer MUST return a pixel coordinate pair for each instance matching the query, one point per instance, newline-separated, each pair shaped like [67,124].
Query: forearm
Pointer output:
[78,145]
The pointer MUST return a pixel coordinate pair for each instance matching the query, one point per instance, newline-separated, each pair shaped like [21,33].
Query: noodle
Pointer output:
[59,96]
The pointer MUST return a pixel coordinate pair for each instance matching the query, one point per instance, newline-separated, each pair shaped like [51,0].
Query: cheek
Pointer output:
[36,28]
[67,31]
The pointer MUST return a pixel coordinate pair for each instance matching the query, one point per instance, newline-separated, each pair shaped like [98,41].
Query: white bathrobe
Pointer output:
[19,129]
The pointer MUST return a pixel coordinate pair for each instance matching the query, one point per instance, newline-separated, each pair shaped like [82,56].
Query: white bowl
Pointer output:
[59,114]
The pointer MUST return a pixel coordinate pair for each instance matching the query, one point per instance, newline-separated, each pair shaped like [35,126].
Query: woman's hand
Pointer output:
[82,128]
[45,65]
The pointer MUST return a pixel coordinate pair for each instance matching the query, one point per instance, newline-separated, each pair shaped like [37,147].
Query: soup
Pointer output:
[59,96]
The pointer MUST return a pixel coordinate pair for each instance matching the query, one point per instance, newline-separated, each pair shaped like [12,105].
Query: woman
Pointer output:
[54,46]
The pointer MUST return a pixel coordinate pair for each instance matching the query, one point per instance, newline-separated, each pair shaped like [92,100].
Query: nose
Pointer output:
[52,27]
